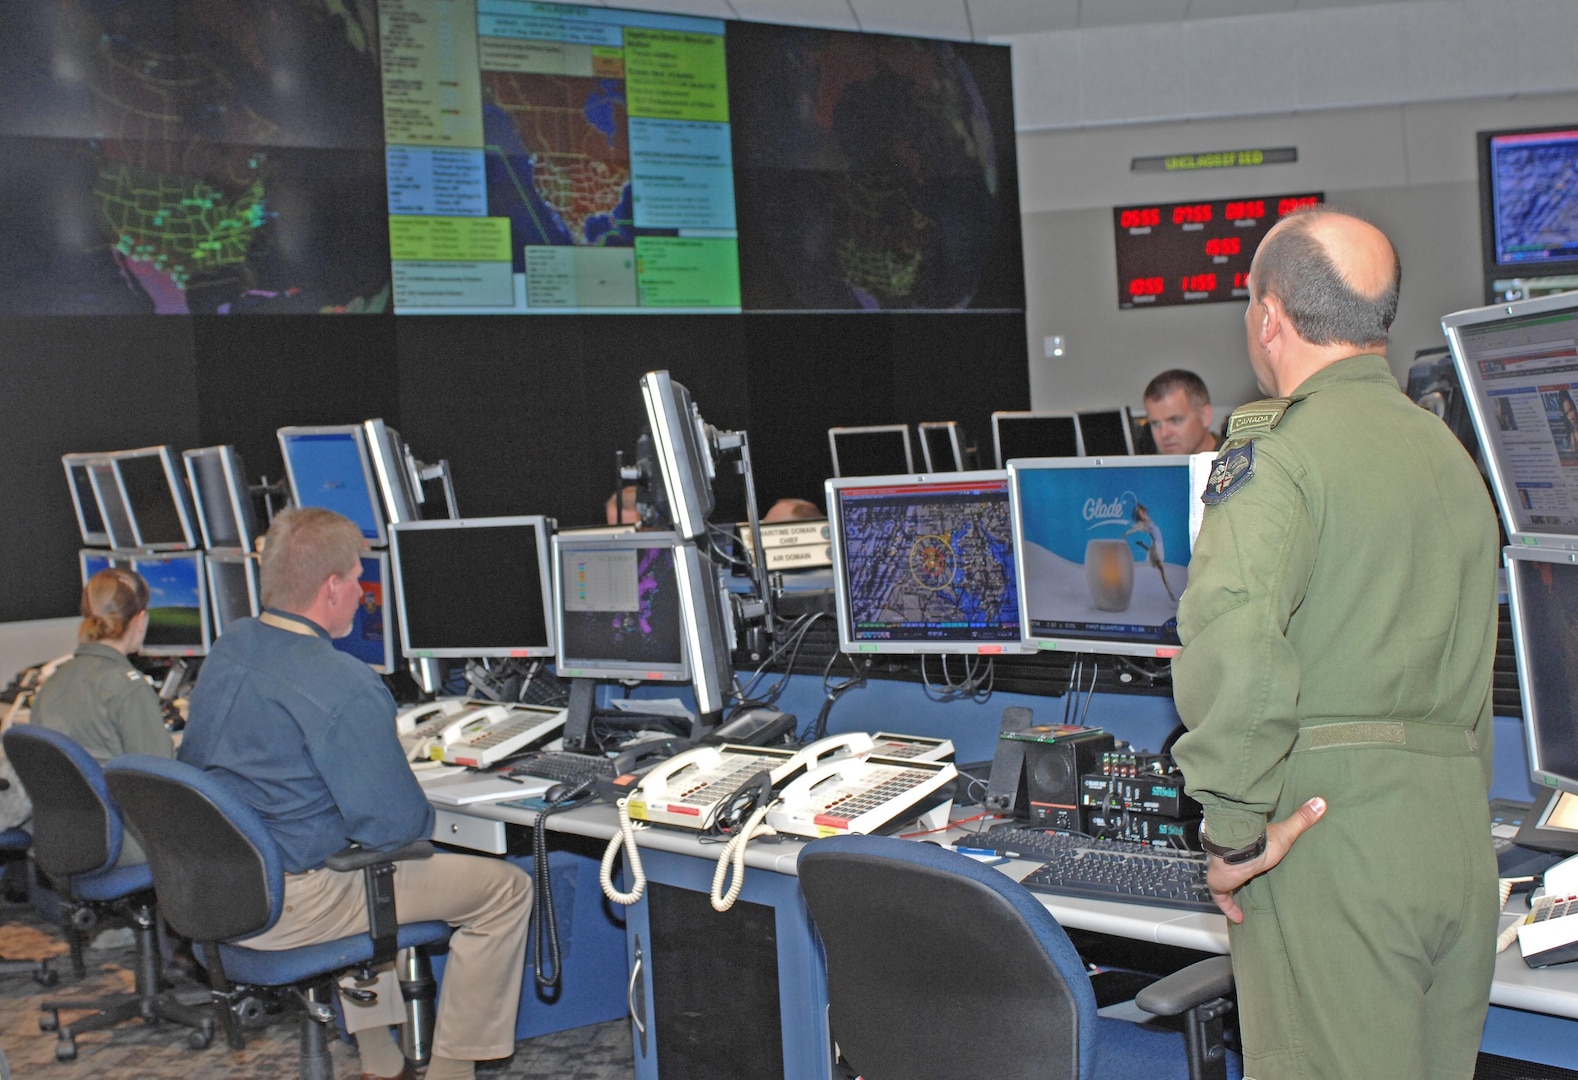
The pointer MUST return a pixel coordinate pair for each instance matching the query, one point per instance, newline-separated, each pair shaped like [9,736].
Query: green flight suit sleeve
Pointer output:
[135,713]
[1236,681]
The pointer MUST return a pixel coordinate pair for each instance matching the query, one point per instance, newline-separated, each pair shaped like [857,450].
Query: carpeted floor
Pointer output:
[134,1051]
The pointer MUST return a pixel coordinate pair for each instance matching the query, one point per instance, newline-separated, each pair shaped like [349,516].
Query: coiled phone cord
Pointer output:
[734,855]
[626,838]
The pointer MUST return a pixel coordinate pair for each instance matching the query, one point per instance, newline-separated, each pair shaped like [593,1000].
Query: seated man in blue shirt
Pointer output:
[306,735]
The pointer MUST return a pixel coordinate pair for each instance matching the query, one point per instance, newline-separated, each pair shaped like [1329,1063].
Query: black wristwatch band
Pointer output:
[1234,856]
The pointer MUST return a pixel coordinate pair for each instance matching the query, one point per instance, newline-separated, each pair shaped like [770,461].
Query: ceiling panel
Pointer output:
[1130,12]
[918,18]
[830,13]
[1225,9]
[999,18]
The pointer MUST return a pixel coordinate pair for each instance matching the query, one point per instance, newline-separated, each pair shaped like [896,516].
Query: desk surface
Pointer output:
[1553,991]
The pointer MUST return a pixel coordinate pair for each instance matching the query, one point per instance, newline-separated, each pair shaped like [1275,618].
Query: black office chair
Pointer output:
[219,877]
[940,967]
[76,842]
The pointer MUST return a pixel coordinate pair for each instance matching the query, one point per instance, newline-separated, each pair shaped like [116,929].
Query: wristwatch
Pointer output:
[1234,856]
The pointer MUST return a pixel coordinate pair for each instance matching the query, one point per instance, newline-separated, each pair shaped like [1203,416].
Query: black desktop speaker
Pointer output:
[1005,789]
[1052,772]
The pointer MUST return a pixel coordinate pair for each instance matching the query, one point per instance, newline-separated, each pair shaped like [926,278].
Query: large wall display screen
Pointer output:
[484,157]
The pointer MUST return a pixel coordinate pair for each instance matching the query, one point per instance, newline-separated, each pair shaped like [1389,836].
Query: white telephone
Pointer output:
[862,794]
[479,734]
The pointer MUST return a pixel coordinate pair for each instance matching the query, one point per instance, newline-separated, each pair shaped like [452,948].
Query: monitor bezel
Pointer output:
[1476,396]
[145,555]
[955,444]
[175,487]
[1032,414]
[680,441]
[115,556]
[237,492]
[1493,269]
[398,488]
[870,429]
[847,642]
[358,433]
[1033,642]
[113,509]
[1512,555]
[540,524]
[581,667]
[72,462]
[249,563]
[1121,415]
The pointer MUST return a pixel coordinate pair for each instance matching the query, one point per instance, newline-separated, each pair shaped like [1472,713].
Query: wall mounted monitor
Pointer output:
[178,622]
[92,560]
[1518,366]
[473,586]
[234,589]
[942,445]
[1103,546]
[1105,433]
[154,486]
[924,564]
[331,467]
[84,503]
[872,450]
[372,639]
[1035,435]
[222,497]
[1542,595]
[1528,195]
[679,440]
[618,612]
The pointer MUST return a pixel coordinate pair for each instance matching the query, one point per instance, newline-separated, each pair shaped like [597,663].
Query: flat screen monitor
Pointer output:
[942,446]
[1528,186]
[924,564]
[872,450]
[178,622]
[679,441]
[1542,596]
[79,480]
[222,497]
[618,610]
[1035,435]
[1518,366]
[371,639]
[1105,433]
[393,470]
[330,467]
[92,560]
[110,498]
[154,486]
[473,587]
[1103,547]
[234,591]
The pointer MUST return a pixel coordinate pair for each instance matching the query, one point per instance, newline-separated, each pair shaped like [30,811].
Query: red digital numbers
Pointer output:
[1199,283]
[1241,280]
[1287,206]
[1140,219]
[1226,245]
[1145,286]
[1248,208]
[1197,214]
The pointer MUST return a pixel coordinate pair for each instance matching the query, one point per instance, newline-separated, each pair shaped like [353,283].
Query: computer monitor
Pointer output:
[330,467]
[1528,206]
[1035,435]
[394,470]
[1103,547]
[154,487]
[1542,596]
[679,442]
[371,639]
[234,591]
[110,498]
[1518,366]
[223,499]
[924,564]
[92,560]
[873,450]
[178,622]
[618,611]
[942,446]
[473,587]
[1105,433]
[79,480]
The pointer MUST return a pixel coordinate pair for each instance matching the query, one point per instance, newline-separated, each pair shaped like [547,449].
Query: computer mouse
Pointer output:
[554,794]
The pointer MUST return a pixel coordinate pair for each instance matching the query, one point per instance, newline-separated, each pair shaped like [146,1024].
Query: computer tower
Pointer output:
[1052,771]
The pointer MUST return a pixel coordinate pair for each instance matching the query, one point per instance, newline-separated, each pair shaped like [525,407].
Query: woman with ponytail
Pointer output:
[97,698]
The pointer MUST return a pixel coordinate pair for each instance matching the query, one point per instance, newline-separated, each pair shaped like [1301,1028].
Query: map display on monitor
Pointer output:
[924,564]
[1534,198]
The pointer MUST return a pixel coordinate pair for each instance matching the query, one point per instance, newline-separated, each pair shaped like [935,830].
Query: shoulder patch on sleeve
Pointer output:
[1232,469]
[1256,418]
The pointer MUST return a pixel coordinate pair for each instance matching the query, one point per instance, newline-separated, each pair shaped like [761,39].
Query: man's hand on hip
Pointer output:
[1225,879]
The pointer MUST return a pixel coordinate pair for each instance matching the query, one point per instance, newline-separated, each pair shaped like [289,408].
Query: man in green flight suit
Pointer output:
[1338,632]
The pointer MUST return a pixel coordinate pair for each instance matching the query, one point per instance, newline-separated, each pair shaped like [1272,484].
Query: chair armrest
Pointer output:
[357,857]
[1184,990]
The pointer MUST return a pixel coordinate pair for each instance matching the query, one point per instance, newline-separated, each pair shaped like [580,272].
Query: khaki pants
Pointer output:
[485,900]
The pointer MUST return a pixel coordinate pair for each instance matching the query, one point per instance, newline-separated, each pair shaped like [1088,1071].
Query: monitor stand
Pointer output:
[583,711]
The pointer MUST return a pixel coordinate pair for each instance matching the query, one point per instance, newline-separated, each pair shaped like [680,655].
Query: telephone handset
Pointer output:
[484,736]
[418,725]
[865,795]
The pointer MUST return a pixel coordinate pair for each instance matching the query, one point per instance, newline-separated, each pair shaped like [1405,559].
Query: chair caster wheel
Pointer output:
[199,1039]
[66,1050]
[49,1022]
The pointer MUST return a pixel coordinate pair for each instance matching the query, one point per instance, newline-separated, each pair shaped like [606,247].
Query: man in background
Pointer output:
[1178,408]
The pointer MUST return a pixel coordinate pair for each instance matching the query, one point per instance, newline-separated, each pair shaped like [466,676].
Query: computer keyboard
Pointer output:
[564,767]
[1102,869]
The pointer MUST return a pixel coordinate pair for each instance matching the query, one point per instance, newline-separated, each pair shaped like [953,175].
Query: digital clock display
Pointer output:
[1194,252]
